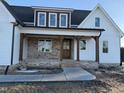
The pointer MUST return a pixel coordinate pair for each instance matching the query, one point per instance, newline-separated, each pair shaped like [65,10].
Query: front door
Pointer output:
[66,49]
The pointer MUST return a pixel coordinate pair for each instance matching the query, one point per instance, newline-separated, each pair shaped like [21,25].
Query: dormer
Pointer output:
[52,17]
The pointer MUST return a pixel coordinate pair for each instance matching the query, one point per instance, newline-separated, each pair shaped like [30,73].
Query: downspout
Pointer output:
[13,41]
[99,46]
[120,49]
[12,47]
[100,34]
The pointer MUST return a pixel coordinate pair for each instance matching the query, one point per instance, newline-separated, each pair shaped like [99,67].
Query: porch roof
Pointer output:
[90,29]
[62,31]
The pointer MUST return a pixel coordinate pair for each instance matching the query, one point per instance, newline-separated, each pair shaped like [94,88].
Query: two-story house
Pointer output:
[45,33]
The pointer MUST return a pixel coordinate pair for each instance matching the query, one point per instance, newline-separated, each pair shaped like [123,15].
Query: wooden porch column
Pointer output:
[97,48]
[78,49]
[21,47]
[61,47]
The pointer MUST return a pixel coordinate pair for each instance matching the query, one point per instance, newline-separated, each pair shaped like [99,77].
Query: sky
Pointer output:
[115,8]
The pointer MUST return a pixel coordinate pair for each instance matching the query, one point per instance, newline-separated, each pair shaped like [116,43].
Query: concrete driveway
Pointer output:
[69,74]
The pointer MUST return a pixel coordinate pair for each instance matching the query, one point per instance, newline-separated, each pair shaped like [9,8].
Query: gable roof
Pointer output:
[98,6]
[26,14]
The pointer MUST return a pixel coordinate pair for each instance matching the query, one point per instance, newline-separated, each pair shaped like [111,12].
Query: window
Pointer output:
[41,19]
[63,20]
[45,46]
[105,46]
[66,45]
[82,44]
[52,19]
[97,22]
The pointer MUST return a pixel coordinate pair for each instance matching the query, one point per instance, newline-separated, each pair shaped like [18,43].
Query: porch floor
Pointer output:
[69,74]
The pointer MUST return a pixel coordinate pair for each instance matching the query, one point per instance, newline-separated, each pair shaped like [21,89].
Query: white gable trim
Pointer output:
[8,12]
[108,17]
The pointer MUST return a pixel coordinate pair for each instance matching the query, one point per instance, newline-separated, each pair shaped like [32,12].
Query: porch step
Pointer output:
[70,63]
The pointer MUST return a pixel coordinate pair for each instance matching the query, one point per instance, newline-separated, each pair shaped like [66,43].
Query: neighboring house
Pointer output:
[57,33]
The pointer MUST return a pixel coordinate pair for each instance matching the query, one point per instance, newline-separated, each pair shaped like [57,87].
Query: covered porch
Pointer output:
[64,47]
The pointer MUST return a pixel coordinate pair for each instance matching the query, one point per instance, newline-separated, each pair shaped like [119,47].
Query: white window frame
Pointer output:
[45,40]
[105,52]
[99,22]
[39,18]
[55,19]
[66,20]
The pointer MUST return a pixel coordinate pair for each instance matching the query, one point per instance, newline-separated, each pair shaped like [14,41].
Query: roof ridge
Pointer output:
[20,6]
[51,7]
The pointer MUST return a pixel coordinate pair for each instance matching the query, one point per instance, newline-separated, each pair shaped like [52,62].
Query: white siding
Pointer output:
[5,35]
[110,34]
[89,53]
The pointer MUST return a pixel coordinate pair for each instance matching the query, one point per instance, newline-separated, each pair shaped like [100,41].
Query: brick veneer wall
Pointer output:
[33,49]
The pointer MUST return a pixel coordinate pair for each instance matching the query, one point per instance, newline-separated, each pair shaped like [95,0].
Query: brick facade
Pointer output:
[33,49]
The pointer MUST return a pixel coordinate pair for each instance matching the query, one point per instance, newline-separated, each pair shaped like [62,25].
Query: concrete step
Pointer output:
[70,64]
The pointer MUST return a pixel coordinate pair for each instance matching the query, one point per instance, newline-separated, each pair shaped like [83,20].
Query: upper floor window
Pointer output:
[97,22]
[105,46]
[52,19]
[41,19]
[63,20]
[82,44]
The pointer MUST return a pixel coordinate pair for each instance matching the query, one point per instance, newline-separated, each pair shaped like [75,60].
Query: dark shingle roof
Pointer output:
[26,14]
[78,16]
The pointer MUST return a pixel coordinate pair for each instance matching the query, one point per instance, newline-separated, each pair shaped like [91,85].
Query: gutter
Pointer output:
[13,40]
[94,29]
[121,61]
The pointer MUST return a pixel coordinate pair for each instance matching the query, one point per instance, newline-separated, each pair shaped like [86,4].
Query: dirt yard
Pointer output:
[108,81]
